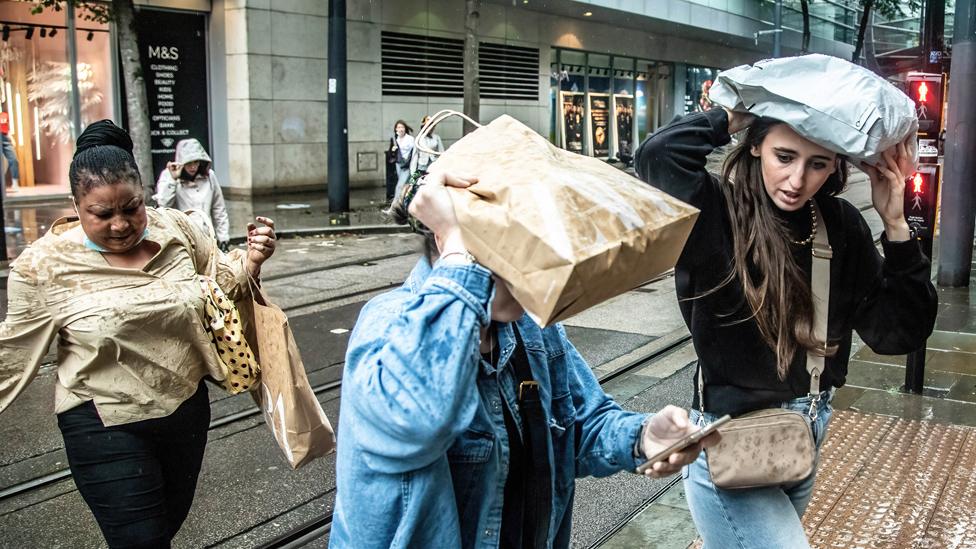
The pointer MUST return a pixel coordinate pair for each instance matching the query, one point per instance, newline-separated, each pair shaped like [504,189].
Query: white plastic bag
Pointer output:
[832,102]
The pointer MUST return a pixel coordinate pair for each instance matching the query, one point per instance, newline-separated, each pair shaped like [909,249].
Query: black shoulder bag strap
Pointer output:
[537,490]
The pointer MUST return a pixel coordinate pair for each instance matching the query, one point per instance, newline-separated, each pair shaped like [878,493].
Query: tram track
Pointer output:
[41,481]
[320,527]
[317,528]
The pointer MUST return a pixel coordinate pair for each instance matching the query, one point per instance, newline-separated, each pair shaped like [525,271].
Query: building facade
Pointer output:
[249,78]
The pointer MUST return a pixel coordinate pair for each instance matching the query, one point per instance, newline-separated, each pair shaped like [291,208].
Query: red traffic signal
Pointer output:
[923,92]
[917,183]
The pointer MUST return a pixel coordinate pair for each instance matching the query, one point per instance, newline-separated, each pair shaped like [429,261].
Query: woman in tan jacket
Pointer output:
[119,289]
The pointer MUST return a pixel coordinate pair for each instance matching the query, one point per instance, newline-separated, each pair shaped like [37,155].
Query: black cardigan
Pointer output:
[890,301]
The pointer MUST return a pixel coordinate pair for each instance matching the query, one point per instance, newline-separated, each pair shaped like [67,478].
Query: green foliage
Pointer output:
[99,12]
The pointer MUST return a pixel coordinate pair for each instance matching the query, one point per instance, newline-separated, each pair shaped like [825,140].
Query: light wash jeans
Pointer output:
[403,175]
[754,518]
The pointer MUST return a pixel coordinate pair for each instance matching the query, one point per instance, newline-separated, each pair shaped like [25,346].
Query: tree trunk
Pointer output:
[805,7]
[865,19]
[472,80]
[137,106]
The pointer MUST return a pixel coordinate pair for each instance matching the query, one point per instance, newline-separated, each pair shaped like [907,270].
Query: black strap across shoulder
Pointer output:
[535,434]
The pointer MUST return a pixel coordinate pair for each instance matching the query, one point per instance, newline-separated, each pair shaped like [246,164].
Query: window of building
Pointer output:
[606,103]
[572,85]
[829,19]
[39,96]
[699,80]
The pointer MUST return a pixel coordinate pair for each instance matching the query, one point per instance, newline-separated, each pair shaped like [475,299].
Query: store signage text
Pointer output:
[174,65]
[162,52]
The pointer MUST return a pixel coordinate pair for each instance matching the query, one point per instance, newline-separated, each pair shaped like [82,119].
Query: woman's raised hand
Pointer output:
[261,242]
[738,120]
[888,189]
[432,206]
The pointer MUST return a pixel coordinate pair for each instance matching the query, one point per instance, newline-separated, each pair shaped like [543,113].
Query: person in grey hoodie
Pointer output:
[188,183]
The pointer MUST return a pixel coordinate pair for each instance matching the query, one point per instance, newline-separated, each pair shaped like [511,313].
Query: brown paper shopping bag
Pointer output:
[290,409]
[565,231]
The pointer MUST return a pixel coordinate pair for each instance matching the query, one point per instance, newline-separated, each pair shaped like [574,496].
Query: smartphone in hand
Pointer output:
[684,443]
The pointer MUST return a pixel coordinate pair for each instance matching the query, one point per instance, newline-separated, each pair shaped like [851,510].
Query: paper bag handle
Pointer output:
[257,292]
[436,119]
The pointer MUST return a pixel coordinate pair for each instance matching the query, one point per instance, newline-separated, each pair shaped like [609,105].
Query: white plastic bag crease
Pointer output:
[832,102]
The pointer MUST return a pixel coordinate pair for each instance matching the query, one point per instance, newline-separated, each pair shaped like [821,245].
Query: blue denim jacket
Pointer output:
[422,447]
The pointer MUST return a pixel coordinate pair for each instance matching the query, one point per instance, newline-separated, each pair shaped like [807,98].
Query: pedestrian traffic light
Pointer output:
[926,90]
[923,92]
[921,193]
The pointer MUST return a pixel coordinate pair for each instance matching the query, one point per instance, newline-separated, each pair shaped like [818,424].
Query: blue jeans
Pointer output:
[403,175]
[8,152]
[138,479]
[759,518]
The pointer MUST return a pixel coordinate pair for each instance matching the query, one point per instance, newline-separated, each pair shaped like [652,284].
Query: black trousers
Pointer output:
[138,479]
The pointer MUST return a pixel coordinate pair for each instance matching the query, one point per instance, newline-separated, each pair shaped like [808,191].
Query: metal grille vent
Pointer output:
[415,65]
[508,72]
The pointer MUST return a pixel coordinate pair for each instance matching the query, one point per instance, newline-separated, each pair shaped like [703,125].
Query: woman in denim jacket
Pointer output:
[437,437]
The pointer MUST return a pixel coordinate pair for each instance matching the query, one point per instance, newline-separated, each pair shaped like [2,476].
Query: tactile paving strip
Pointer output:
[886,482]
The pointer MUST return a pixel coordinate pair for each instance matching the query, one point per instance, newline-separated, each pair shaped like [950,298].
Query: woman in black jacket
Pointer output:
[743,282]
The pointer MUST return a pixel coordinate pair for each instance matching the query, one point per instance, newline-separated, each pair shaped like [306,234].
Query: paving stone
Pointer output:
[657,527]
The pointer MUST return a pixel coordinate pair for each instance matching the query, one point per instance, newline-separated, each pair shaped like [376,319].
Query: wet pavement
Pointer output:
[910,481]
[897,470]
[27,220]
[247,494]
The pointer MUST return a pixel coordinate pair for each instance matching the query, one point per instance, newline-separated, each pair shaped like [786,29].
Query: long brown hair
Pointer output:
[775,287]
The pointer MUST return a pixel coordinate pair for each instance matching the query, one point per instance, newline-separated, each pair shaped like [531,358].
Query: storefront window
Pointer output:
[608,103]
[599,106]
[697,84]
[38,96]
[571,96]
[641,106]
[623,106]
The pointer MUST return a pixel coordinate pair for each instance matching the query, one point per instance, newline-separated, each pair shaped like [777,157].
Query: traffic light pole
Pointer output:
[958,217]
[338,147]
[921,192]
[778,28]
[933,40]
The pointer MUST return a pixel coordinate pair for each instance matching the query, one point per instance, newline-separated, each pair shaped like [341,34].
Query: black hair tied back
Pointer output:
[103,155]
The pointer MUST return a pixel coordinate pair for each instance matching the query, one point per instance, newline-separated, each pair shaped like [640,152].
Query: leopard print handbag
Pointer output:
[222,320]
[223,323]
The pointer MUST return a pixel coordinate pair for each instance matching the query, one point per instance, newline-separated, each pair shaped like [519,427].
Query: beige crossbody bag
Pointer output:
[775,446]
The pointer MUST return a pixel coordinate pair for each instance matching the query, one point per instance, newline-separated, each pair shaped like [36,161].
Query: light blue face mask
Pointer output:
[92,246]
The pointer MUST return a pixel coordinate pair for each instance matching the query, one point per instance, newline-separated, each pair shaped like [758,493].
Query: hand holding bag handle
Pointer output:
[775,446]
[223,322]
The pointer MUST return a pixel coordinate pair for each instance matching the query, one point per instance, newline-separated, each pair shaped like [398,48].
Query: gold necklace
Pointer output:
[813,227]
